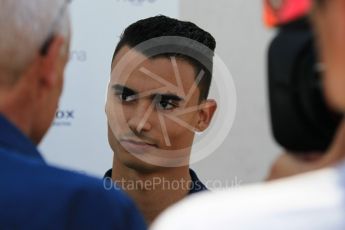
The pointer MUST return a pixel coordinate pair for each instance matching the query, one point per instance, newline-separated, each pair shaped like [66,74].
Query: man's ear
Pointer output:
[50,62]
[206,112]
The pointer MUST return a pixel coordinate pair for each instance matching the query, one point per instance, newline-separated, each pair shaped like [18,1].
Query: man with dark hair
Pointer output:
[161,26]
[157,100]
[34,48]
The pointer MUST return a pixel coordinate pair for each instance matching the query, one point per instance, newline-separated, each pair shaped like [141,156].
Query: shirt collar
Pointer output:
[197,185]
[11,138]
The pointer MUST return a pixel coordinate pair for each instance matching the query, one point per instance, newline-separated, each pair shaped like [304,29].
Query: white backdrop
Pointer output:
[78,139]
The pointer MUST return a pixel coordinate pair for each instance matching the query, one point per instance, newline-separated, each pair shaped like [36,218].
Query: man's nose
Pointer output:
[140,120]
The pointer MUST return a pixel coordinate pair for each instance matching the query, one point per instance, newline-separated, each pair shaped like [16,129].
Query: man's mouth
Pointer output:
[136,146]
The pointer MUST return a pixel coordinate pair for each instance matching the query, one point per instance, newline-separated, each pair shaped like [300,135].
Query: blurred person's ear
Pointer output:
[51,62]
[329,22]
[48,87]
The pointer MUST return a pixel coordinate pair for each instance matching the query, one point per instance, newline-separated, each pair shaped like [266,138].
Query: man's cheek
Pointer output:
[178,132]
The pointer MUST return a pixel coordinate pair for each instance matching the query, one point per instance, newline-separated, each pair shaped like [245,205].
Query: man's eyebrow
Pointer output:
[122,88]
[162,96]
[168,97]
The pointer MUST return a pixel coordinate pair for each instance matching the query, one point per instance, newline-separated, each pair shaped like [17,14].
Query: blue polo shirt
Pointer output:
[196,186]
[34,195]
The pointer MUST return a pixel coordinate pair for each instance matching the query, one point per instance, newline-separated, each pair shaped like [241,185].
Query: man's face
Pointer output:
[147,110]
[329,21]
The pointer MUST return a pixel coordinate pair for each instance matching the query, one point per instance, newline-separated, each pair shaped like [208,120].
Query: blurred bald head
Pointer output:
[25,26]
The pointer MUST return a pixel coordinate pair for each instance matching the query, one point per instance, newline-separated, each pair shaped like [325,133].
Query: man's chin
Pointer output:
[141,166]
[153,160]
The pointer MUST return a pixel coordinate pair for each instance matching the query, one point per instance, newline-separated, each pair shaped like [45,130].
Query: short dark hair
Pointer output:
[160,26]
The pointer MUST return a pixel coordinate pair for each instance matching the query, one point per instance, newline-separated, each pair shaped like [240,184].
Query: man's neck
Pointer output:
[153,191]
[16,110]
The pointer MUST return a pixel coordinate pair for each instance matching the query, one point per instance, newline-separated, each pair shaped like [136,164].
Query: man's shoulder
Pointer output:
[62,197]
[70,184]
[96,198]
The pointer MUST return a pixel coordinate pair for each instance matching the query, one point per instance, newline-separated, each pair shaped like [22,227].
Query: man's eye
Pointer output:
[125,97]
[166,105]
